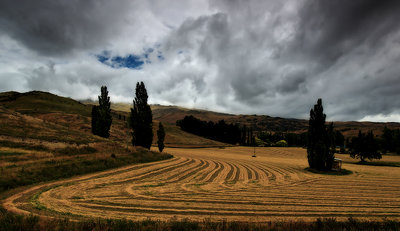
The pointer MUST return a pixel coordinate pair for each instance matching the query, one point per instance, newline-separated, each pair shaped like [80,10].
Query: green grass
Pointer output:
[335,173]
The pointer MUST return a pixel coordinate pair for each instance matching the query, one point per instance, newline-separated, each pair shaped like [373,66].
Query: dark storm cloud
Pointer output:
[55,27]
[259,56]
[329,29]
[359,39]
[281,56]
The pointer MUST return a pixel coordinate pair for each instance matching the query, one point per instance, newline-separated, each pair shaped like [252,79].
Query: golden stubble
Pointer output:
[224,183]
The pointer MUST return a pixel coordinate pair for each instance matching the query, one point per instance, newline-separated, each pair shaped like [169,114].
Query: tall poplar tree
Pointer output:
[101,115]
[95,120]
[141,118]
[319,153]
[160,137]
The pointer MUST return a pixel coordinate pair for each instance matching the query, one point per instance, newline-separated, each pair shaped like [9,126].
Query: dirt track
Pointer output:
[220,184]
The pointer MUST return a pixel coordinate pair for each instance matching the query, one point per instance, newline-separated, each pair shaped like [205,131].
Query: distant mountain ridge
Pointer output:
[170,114]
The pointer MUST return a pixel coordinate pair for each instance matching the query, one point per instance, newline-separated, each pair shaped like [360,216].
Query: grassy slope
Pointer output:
[47,137]
[37,102]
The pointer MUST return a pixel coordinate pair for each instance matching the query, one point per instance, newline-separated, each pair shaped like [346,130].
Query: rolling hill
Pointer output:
[170,114]
[46,137]
[52,115]
[74,114]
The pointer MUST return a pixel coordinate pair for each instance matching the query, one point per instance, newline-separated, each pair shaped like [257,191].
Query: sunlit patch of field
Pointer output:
[220,184]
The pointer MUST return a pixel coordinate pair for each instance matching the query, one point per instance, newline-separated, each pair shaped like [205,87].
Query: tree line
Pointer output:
[140,120]
[367,146]
[390,140]
[220,131]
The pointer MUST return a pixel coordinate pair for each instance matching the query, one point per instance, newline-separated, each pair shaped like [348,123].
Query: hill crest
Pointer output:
[43,102]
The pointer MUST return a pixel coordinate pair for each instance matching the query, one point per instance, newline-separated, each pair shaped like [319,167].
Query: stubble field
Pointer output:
[217,184]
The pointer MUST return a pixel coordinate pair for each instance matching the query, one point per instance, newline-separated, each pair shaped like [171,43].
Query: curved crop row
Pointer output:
[227,186]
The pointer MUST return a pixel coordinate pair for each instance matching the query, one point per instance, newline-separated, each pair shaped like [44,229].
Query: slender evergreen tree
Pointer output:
[160,137]
[141,118]
[330,143]
[319,153]
[101,115]
[95,120]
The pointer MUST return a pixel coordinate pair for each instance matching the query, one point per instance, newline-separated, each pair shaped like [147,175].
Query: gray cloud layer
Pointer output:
[264,57]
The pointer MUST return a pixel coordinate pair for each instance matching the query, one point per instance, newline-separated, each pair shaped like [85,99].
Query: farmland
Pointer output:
[221,183]
[46,139]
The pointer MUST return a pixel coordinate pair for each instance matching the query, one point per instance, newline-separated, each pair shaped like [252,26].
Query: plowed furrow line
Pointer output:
[254,173]
[215,174]
[191,173]
[237,174]
[246,208]
[135,173]
[265,172]
[131,176]
[249,174]
[239,213]
[152,173]
[312,199]
[131,169]
[279,172]
[252,205]
[204,176]
[279,203]
[230,173]
[182,171]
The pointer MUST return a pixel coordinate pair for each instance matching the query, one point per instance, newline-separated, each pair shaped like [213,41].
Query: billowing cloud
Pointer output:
[253,57]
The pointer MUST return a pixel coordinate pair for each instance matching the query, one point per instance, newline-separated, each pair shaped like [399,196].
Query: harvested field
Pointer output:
[220,184]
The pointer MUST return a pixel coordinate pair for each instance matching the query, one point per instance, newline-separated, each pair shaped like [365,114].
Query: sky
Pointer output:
[264,57]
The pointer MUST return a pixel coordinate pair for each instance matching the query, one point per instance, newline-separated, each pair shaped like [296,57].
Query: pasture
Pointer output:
[221,184]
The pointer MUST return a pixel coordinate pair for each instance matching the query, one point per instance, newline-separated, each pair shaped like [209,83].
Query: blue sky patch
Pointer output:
[131,61]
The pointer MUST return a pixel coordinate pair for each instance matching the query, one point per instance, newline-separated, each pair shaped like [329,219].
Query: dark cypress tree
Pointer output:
[330,143]
[101,115]
[95,120]
[160,137]
[141,119]
[105,113]
[319,146]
